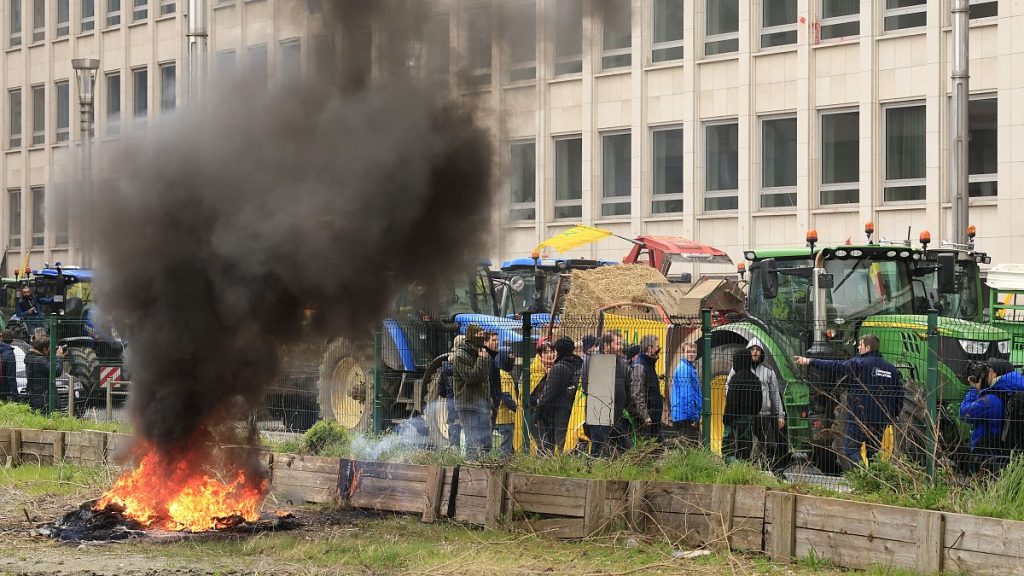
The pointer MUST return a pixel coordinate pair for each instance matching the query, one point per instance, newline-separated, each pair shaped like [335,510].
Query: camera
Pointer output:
[978,372]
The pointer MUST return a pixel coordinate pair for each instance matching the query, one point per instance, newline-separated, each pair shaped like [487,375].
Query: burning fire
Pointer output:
[177,496]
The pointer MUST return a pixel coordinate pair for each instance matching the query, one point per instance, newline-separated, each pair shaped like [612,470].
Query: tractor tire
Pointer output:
[83,366]
[345,385]
[721,364]
[911,430]
[840,429]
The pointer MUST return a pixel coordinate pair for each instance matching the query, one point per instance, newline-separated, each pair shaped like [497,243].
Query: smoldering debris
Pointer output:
[231,218]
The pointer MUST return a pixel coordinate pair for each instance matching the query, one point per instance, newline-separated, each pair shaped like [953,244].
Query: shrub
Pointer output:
[326,439]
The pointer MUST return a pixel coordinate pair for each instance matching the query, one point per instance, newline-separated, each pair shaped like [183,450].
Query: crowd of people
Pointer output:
[25,368]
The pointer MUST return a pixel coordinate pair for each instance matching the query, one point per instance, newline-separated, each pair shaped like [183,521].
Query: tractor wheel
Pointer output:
[911,435]
[840,429]
[721,364]
[346,386]
[83,366]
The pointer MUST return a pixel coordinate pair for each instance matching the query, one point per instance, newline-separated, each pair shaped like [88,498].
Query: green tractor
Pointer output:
[817,301]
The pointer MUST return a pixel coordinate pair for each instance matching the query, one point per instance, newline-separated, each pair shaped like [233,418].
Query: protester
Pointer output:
[494,374]
[645,388]
[447,392]
[8,368]
[555,404]
[37,368]
[27,309]
[771,419]
[686,396]
[875,396]
[505,414]
[471,368]
[604,438]
[742,405]
[983,410]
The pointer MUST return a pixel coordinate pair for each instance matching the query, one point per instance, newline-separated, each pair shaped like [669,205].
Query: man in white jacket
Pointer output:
[771,420]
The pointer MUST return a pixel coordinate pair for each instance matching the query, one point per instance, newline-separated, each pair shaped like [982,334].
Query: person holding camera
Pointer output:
[984,407]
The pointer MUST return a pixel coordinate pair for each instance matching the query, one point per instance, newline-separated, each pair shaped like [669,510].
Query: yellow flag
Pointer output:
[572,238]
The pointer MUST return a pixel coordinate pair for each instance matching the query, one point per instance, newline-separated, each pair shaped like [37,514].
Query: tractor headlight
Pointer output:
[1004,346]
[974,346]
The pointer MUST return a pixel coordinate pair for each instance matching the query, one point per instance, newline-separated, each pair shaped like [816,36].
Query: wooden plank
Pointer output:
[566,528]
[303,494]
[680,498]
[402,487]
[496,483]
[547,485]
[319,464]
[854,550]
[58,447]
[472,482]
[872,520]
[783,519]
[470,509]
[38,436]
[594,517]
[986,535]
[929,542]
[693,529]
[981,563]
[637,505]
[99,441]
[387,502]
[432,494]
[572,506]
[722,502]
[387,471]
[750,501]
[15,458]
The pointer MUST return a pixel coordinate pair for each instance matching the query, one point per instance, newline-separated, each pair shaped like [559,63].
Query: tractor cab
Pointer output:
[948,279]
[539,281]
[674,256]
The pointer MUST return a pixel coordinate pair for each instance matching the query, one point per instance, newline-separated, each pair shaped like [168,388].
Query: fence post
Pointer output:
[705,361]
[932,391]
[51,325]
[524,391]
[378,377]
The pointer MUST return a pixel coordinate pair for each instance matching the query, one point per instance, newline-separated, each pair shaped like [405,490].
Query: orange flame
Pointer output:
[177,496]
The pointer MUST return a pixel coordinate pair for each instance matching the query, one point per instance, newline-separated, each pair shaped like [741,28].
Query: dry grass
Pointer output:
[593,289]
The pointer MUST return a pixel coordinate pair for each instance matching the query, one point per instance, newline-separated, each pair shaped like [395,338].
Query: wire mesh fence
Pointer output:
[935,392]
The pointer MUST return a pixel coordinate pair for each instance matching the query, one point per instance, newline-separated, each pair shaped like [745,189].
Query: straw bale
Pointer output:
[594,289]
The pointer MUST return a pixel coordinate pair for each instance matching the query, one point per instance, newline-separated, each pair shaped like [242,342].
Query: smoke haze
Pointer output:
[233,218]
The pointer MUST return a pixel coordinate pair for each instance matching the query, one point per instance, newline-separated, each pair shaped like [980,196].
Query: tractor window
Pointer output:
[964,304]
[790,313]
[867,287]
[471,296]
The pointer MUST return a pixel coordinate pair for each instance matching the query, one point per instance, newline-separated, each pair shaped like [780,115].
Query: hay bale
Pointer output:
[594,289]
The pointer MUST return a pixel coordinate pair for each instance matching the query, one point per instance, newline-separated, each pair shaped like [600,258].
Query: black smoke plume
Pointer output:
[218,227]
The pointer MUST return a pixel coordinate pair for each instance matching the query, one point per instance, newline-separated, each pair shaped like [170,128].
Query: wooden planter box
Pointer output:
[87,448]
[407,488]
[719,516]
[5,446]
[42,447]
[299,479]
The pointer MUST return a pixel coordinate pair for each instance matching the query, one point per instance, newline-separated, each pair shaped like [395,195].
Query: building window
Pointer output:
[167,7]
[140,10]
[778,23]
[38,20]
[722,168]
[840,158]
[904,153]
[38,115]
[723,27]
[523,171]
[88,16]
[667,25]
[616,19]
[291,61]
[521,36]
[983,152]
[900,14]
[616,183]
[569,177]
[439,46]
[258,66]
[14,29]
[113,12]
[667,176]
[63,111]
[778,163]
[63,18]
[226,62]
[38,216]
[478,47]
[984,8]
[14,128]
[568,37]
[14,218]
[113,103]
[839,18]
[357,56]
[140,93]
[168,87]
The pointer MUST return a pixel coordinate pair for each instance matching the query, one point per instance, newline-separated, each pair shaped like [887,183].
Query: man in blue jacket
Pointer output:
[687,401]
[984,408]
[874,397]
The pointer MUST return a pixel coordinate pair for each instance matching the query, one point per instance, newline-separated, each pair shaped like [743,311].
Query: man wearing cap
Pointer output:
[984,409]
[875,396]
[471,368]
[555,405]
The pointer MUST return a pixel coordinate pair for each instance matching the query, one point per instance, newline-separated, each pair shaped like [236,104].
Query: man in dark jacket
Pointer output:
[471,367]
[600,435]
[37,370]
[645,388]
[27,309]
[8,369]
[555,405]
[874,398]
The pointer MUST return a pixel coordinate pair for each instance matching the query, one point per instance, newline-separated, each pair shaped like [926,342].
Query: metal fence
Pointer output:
[940,393]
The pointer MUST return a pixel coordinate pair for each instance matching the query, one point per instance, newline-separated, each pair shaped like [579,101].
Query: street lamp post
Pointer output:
[85,70]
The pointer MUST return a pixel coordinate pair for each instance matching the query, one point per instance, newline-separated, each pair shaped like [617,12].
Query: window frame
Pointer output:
[609,54]
[38,238]
[113,124]
[140,10]
[516,69]
[671,196]
[38,21]
[828,22]
[15,139]
[902,182]
[87,24]
[666,46]
[720,37]
[569,202]
[778,190]
[983,3]
[615,200]
[136,116]
[516,207]
[733,192]
[887,13]
[15,26]
[62,134]
[38,113]
[168,7]
[988,176]
[576,59]
[63,26]
[778,29]
[836,186]
[113,13]
[480,77]
[14,207]
[283,71]
[166,105]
